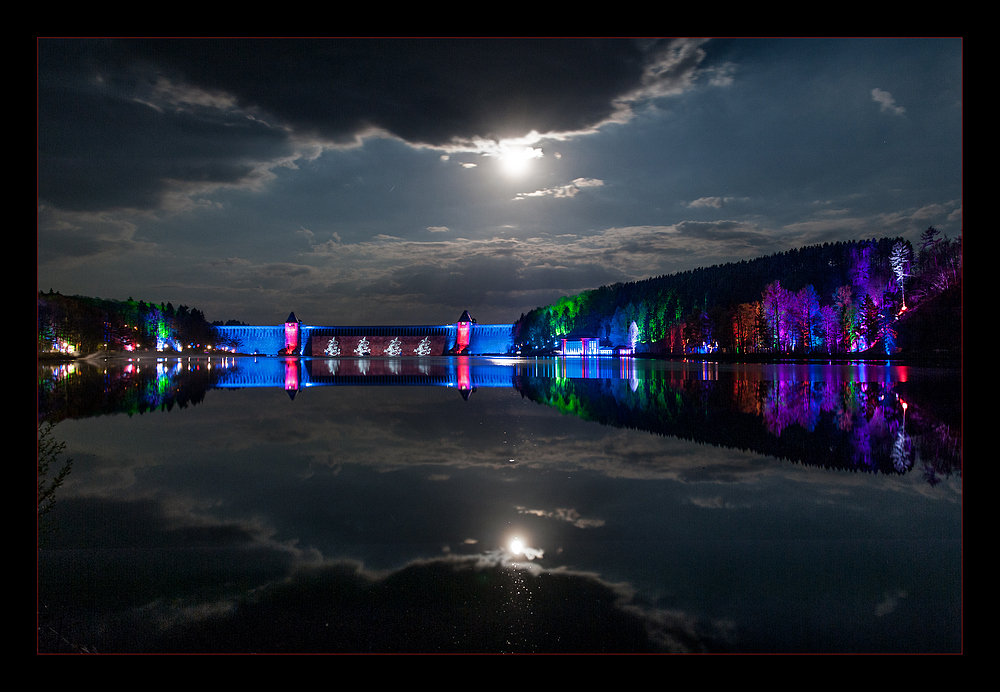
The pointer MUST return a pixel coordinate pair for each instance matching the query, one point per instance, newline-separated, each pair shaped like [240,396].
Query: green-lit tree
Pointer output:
[869,320]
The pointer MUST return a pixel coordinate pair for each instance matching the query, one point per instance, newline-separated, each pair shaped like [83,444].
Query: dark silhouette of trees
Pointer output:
[52,473]
[80,324]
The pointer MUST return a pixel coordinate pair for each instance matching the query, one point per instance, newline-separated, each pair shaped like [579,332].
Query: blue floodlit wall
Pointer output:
[491,338]
[265,340]
[485,339]
[263,372]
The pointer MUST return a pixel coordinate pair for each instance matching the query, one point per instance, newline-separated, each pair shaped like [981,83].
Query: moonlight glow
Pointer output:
[516,160]
[517,547]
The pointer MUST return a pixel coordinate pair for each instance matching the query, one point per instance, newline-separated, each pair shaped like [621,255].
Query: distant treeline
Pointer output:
[80,324]
[832,298]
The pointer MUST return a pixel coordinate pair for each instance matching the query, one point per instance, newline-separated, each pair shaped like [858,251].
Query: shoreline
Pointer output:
[933,360]
[804,358]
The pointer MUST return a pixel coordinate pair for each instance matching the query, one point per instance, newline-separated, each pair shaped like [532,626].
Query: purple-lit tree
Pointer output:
[939,264]
[805,317]
[776,302]
[860,267]
[871,271]
[697,332]
[829,327]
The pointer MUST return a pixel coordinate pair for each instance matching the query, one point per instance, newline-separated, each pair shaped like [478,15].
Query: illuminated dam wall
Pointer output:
[396,341]
[262,340]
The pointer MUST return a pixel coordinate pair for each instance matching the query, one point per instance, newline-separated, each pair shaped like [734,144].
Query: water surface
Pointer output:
[371,505]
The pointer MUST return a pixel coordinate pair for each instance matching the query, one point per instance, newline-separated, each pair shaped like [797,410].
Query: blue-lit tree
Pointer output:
[806,317]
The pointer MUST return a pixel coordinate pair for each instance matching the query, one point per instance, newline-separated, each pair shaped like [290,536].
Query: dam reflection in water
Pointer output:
[660,506]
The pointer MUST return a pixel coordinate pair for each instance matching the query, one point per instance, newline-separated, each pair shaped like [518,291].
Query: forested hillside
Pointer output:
[846,297]
[79,324]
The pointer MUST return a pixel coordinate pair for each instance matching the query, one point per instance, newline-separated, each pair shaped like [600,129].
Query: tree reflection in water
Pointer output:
[356,518]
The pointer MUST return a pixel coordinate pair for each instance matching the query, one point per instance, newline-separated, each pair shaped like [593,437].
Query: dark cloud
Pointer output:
[155,580]
[452,604]
[722,231]
[100,148]
[424,91]
[122,122]
[62,243]
[134,554]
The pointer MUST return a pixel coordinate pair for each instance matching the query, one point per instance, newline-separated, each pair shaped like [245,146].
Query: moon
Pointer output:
[516,160]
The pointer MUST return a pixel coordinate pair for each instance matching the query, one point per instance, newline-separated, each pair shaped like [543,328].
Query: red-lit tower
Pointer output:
[291,334]
[464,332]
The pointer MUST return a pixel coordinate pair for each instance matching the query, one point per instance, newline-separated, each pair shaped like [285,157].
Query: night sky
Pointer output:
[402,181]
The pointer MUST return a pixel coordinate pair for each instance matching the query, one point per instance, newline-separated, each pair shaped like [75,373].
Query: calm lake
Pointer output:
[469,504]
